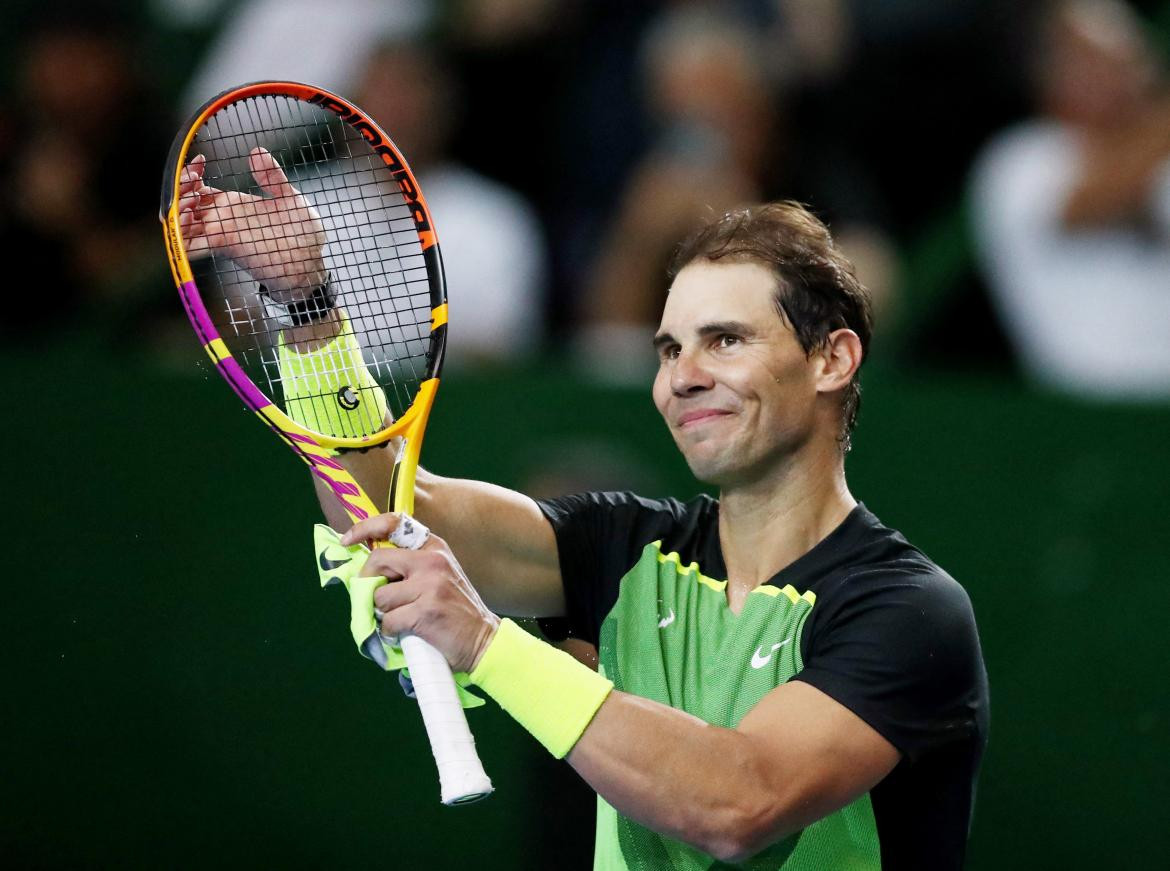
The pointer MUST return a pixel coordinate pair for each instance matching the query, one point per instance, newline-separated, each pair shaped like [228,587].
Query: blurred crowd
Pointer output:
[997,170]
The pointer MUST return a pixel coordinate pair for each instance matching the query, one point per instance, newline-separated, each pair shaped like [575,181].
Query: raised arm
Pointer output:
[504,542]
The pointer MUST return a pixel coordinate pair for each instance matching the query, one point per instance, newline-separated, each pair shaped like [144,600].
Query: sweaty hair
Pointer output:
[816,289]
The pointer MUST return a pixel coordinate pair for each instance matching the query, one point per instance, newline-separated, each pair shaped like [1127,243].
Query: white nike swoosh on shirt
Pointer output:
[666,621]
[759,660]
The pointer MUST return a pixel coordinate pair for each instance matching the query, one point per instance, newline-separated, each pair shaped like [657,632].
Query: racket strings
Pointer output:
[379,274]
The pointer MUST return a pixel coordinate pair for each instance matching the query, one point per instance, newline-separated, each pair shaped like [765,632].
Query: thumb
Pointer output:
[269,175]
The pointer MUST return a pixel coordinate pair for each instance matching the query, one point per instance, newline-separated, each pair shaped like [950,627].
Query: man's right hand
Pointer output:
[277,238]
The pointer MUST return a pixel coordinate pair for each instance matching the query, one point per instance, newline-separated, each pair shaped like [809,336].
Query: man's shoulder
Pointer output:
[893,637]
[620,506]
[880,561]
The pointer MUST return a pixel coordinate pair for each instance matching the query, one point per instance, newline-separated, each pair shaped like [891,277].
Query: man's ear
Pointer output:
[840,358]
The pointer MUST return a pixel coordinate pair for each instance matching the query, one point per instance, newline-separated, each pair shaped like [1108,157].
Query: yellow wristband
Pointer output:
[329,390]
[545,690]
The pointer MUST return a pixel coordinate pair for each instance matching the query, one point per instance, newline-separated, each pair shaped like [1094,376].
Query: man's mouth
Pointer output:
[699,415]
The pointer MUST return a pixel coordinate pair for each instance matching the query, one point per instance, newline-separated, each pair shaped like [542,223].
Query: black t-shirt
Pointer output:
[891,636]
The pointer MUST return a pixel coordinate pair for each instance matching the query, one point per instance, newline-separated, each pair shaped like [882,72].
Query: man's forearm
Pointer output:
[679,776]
[727,792]
[796,757]
[372,469]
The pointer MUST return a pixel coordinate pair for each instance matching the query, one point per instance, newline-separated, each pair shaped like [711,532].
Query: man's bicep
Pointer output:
[819,755]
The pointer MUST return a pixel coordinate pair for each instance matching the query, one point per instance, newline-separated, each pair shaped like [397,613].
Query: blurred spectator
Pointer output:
[558,78]
[905,90]
[1072,210]
[374,52]
[493,246]
[505,24]
[74,198]
[326,44]
[723,140]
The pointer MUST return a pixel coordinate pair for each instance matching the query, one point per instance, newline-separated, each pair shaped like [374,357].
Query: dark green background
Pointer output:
[179,692]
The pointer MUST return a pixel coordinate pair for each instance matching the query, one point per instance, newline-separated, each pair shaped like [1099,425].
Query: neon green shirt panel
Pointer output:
[672,638]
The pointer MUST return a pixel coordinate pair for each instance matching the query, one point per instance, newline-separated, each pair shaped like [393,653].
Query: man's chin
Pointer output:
[724,467]
[713,461]
[715,471]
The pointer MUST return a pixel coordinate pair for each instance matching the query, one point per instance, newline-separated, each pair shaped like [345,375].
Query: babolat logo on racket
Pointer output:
[348,398]
[378,143]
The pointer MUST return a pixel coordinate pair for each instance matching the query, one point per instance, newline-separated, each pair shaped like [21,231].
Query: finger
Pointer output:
[434,542]
[410,533]
[196,187]
[401,621]
[376,566]
[390,596]
[395,563]
[188,198]
[200,186]
[400,529]
[196,167]
[191,185]
[199,197]
[371,529]
[191,229]
[269,175]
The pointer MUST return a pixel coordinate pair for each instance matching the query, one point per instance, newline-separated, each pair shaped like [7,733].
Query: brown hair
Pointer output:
[817,291]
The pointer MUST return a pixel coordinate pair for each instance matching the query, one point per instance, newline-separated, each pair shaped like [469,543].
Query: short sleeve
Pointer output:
[600,536]
[900,649]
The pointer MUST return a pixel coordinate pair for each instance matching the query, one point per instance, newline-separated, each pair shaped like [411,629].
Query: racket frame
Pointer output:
[461,780]
[316,449]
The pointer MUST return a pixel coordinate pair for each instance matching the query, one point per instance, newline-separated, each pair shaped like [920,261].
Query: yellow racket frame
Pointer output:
[315,448]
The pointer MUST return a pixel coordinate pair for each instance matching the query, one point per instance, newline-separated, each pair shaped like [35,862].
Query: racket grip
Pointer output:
[461,776]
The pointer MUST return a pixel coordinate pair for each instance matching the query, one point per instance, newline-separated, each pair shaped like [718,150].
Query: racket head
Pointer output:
[381,253]
[341,178]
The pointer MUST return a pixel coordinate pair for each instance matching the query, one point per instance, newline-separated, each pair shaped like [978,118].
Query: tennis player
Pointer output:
[783,681]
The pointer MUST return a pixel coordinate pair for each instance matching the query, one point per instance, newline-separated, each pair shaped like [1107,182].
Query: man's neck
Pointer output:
[775,520]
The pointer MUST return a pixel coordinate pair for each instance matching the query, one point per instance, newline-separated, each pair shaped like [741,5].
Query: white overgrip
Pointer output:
[461,775]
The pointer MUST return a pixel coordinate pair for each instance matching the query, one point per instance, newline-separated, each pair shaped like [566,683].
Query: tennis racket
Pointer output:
[309,267]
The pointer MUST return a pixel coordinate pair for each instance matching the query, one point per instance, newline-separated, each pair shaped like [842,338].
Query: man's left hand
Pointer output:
[429,595]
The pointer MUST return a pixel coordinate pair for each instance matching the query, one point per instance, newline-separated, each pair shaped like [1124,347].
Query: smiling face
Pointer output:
[734,386]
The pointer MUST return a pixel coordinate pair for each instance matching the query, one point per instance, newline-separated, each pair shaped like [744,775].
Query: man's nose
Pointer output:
[689,374]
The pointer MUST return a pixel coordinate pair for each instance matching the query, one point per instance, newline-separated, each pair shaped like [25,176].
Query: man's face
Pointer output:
[734,386]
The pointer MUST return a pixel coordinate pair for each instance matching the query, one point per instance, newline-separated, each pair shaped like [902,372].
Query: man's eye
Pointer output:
[727,340]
